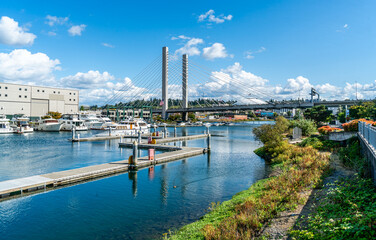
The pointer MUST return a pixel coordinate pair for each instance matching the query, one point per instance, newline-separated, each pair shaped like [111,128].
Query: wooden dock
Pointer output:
[51,180]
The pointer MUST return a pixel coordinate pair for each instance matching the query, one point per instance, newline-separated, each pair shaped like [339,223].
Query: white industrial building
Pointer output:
[35,101]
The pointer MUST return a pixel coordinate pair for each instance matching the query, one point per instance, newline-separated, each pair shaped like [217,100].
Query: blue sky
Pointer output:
[277,46]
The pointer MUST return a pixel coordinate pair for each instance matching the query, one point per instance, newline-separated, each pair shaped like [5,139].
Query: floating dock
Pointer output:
[23,185]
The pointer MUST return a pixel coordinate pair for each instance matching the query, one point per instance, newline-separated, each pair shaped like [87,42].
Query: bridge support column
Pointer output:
[164,82]
[185,87]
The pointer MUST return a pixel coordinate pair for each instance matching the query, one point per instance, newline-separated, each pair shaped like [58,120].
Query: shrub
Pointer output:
[351,156]
[308,126]
[347,212]
[319,144]
[353,125]
[327,129]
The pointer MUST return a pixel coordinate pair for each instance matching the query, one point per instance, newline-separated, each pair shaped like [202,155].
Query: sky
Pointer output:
[276,49]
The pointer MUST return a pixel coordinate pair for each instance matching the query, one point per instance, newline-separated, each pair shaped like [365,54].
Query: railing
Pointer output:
[368,132]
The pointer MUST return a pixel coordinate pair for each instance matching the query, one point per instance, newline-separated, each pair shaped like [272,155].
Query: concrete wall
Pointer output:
[36,101]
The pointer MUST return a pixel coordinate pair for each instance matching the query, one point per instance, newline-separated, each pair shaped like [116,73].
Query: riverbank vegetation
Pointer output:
[346,207]
[343,206]
[296,169]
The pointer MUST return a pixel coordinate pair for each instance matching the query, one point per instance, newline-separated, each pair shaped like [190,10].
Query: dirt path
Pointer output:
[279,227]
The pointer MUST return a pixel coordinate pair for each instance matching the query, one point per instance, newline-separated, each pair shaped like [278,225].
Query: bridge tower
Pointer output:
[164,82]
[185,87]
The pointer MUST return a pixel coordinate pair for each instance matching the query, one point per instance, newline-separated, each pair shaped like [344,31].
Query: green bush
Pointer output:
[352,157]
[347,212]
[308,126]
[319,144]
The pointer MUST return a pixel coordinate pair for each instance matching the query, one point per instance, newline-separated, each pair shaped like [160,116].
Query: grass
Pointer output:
[347,212]
[298,168]
[218,212]
[247,212]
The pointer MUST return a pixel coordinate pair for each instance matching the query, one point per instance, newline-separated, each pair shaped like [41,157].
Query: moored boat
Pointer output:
[5,125]
[49,125]
[70,121]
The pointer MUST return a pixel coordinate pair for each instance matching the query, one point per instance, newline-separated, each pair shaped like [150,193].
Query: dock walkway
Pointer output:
[50,180]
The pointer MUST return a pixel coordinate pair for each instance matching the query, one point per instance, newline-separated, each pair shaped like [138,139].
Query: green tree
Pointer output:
[319,114]
[191,116]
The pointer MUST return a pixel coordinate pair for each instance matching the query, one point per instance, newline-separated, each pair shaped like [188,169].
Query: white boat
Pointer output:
[91,121]
[5,125]
[107,123]
[134,124]
[70,121]
[49,125]
[22,125]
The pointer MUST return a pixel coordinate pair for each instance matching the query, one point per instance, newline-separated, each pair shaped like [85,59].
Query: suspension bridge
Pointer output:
[168,85]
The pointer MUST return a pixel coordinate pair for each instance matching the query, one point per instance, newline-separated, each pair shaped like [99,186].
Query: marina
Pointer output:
[18,186]
[182,177]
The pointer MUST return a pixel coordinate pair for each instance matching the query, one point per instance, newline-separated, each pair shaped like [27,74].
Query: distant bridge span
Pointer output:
[257,106]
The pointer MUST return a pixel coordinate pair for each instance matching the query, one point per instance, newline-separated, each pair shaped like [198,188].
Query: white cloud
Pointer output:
[210,17]
[54,20]
[51,33]
[190,46]
[217,50]
[250,54]
[108,45]
[76,30]
[21,66]
[229,84]
[344,28]
[90,80]
[180,37]
[12,34]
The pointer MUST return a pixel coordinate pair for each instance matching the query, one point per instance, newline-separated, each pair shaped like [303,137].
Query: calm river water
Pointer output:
[141,205]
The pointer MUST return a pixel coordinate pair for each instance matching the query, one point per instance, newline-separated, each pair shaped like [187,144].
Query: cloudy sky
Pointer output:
[271,48]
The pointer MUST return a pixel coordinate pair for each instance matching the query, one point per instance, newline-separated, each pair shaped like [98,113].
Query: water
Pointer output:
[140,205]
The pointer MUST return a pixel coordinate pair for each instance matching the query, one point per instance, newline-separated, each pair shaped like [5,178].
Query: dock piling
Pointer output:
[208,141]
[165,131]
[135,153]
[175,131]
[139,136]
[73,133]
[109,131]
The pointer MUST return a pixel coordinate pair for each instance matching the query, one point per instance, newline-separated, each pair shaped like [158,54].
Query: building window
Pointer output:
[0,94]
[38,90]
[74,99]
[0,87]
[58,92]
[20,89]
[25,89]
[6,87]
[25,96]
[42,90]
[19,96]
[69,93]
[70,99]
[6,95]
[74,93]
[54,92]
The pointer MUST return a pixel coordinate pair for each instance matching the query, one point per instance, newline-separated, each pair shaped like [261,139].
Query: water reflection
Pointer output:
[162,197]
[164,185]
[132,175]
